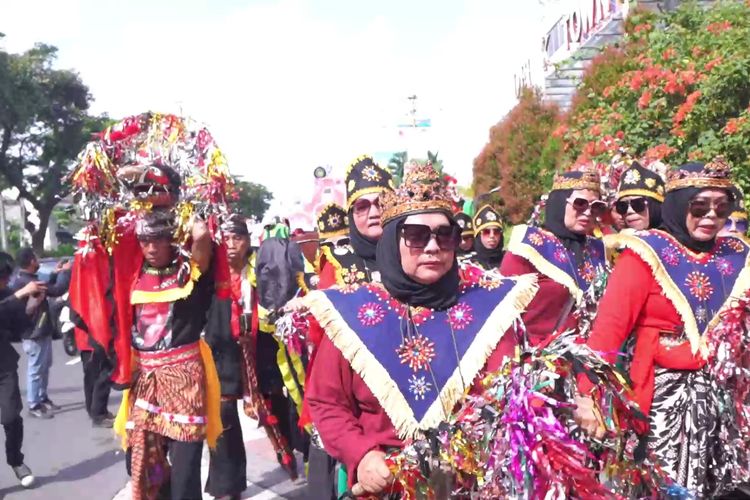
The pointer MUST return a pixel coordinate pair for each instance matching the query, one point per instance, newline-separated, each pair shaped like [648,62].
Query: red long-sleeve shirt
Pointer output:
[634,303]
[544,311]
[347,414]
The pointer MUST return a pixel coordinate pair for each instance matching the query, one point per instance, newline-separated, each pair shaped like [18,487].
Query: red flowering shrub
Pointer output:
[520,156]
[677,88]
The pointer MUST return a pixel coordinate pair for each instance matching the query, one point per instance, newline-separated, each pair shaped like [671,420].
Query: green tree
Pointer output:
[676,90]
[44,123]
[252,199]
[516,165]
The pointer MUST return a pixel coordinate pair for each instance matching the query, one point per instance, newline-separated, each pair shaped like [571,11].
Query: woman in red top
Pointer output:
[561,253]
[397,357]
[670,288]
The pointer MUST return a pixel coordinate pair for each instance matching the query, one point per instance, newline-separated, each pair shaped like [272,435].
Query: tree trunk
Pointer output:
[37,238]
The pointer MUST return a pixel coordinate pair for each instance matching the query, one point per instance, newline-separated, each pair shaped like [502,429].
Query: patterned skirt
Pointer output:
[689,432]
[167,401]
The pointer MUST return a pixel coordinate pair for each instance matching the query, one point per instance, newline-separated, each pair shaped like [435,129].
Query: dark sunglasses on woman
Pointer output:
[362,205]
[598,207]
[492,230]
[700,207]
[736,225]
[419,236]
[637,204]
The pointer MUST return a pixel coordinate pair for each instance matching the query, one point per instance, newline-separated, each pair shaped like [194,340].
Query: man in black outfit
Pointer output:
[97,369]
[12,310]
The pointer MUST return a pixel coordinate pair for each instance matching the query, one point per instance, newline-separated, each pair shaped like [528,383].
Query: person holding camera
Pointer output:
[37,329]
[12,305]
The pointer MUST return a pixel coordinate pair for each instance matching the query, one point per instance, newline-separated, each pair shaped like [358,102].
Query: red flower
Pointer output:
[620,134]
[712,63]
[636,80]
[686,107]
[733,125]
[696,52]
[672,86]
[668,53]
[645,99]
[659,152]
[595,130]
[560,131]
[642,27]
[718,27]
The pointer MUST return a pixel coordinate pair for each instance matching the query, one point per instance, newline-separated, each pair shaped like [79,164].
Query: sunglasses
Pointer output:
[598,207]
[419,236]
[362,206]
[700,207]
[638,205]
[341,242]
[736,226]
[492,230]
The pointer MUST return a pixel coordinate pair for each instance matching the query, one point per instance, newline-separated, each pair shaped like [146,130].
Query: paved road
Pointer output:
[72,460]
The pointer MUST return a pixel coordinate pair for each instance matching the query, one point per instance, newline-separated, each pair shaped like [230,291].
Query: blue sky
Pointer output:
[285,85]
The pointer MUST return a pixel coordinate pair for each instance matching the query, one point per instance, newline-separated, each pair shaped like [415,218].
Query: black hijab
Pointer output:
[440,295]
[554,222]
[654,213]
[363,246]
[674,221]
[489,258]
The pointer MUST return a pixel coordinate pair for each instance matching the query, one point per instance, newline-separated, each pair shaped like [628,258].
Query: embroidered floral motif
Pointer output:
[460,316]
[488,283]
[650,183]
[334,220]
[370,174]
[735,244]
[587,272]
[349,288]
[594,251]
[701,315]
[699,285]
[417,352]
[419,387]
[491,216]
[632,177]
[352,275]
[561,255]
[670,256]
[370,314]
[536,239]
[724,266]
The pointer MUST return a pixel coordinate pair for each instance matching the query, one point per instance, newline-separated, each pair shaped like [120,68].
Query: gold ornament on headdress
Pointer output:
[589,180]
[715,174]
[422,190]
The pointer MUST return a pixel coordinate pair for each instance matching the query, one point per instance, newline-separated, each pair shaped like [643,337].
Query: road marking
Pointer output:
[73,361]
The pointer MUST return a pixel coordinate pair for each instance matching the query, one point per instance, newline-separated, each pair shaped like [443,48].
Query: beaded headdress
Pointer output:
[332,222]
[422,190]
[714,174]
[583,179]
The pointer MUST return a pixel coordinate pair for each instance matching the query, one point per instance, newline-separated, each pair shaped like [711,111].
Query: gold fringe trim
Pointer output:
[171,295]
[673,293]
[377,378]
[528,252]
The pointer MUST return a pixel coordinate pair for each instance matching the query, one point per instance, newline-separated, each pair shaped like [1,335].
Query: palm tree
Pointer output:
[396,166]
[437,164]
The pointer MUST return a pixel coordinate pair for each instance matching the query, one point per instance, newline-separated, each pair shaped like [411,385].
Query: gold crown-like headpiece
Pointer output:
[421,190]
[589,179]
[714,174]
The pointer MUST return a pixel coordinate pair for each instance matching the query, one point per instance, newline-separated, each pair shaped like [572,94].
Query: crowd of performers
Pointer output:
[403,350]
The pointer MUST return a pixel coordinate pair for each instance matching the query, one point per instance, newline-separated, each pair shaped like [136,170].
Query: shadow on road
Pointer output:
[75,472]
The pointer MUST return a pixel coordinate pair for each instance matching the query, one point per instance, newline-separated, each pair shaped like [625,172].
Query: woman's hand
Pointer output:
[373,475]
[587,416]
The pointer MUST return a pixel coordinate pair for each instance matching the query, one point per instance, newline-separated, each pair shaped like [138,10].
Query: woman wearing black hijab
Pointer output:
[639,198]
[488,238]
[669,290]
[561,253]
[396,357]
